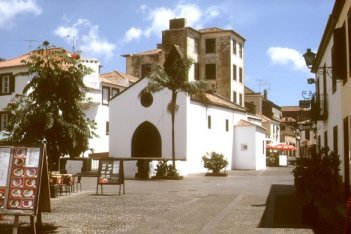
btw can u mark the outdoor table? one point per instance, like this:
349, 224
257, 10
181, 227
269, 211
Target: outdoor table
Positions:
65, 182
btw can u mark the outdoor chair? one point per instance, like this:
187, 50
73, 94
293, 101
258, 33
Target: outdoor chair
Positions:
65, 185
77, 183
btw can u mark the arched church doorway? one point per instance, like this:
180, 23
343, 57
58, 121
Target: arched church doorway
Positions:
146, 143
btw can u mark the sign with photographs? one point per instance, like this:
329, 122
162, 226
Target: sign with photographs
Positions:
110, 172
20, 172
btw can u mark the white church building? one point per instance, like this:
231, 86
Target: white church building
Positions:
141, 127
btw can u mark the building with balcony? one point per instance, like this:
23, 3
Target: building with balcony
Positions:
297, 128
330, 107
270, 113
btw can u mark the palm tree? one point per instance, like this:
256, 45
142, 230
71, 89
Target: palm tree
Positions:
174, 76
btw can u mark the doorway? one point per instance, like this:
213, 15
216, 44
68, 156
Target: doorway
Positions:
146, 143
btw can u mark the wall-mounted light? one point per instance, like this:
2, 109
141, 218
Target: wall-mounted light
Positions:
310, 58
311, 81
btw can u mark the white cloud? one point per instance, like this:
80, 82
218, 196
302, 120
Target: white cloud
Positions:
213, 11
158, 18
10, 9
93, 43
86, 37
287, 56
191, 12
132, 33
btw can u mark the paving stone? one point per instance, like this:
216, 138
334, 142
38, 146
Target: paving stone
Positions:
243, 202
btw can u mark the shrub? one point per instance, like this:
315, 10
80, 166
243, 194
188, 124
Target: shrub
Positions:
214, 162
318, 173
163, 170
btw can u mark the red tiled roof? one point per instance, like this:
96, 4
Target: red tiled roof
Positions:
15, 62
293, 108
149, 52
115, 76
218, 100
290, 108
247, 123
213, 29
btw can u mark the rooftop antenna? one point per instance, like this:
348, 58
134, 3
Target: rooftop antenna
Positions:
73, 40
265, 84
30, 42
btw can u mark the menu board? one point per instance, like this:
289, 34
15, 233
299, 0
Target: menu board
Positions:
110, 172
5, 154
20, 169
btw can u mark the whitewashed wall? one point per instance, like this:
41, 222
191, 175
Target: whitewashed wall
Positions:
193, 138
202, 140
260, 154
20, 83
99, 113
127, 113
244, 158
249, 150
334, 105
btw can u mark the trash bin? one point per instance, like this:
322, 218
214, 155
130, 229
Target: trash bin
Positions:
53, 190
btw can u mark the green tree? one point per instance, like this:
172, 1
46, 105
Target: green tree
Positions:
50, 106
174, 76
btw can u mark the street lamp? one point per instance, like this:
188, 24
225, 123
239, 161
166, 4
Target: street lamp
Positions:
310, 58
311, 81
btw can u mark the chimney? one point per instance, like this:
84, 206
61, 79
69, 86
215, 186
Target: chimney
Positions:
177, 23
265, 93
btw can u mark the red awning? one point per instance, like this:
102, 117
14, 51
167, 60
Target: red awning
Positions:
281, 146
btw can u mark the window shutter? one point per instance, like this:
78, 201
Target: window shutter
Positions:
12, 83
1, 77
339, 54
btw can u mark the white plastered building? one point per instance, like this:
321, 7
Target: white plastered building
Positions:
198, 129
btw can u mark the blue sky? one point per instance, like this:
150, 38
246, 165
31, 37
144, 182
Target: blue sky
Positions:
277, 32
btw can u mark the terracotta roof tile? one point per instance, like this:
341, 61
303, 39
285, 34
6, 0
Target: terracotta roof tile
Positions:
115, 77
218, 100
293, 108
247, 123
15, 62
213, 29
149, 52
290, 108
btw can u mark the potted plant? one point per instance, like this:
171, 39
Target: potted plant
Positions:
316, 176
215, 162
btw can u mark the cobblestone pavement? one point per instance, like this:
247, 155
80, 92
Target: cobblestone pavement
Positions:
243, 202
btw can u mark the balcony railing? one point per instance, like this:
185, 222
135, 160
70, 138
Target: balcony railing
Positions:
319, 107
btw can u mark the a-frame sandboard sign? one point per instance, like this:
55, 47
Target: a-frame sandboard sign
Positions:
110, 172
24, 182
